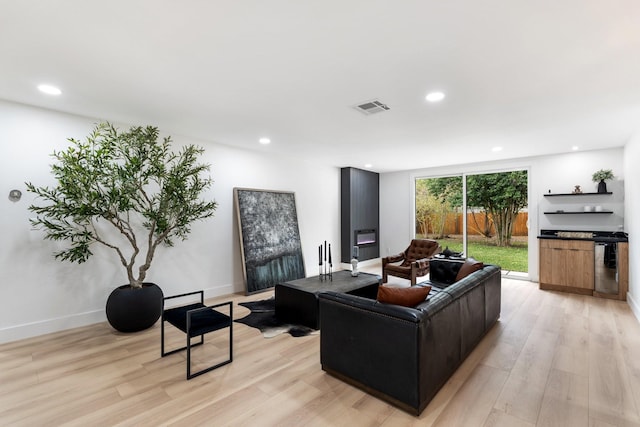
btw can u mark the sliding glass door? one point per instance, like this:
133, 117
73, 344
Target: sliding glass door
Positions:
483, 216
439, 207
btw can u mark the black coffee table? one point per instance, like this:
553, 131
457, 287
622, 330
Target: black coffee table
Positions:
297, 300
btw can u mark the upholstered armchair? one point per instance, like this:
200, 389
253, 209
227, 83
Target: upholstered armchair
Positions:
412, 263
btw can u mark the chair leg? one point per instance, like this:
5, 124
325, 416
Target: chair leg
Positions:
188, 355
231, 334
211, 368
189, 376
189, 345
162, 335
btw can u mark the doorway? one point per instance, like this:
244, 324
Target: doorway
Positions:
481, 215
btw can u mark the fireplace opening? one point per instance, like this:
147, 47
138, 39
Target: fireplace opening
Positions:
365, 237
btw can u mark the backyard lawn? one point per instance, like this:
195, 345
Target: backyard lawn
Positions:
512, 258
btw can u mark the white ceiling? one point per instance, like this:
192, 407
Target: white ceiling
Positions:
533, 76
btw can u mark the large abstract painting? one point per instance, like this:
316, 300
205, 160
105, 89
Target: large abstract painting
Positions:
269, 238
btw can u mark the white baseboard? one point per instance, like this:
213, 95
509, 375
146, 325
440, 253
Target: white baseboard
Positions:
361, 264
34, 329
635, 307
219, 291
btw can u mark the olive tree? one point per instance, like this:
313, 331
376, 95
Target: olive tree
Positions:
124, 190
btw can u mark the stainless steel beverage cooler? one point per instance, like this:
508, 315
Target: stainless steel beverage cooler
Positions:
606, 267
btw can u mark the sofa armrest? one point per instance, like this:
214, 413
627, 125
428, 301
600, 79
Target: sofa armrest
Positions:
372, 344
405, 355
392, 258
421, 264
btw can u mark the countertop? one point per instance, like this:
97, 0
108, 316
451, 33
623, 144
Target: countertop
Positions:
595, 236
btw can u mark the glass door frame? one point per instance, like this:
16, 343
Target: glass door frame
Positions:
464, 175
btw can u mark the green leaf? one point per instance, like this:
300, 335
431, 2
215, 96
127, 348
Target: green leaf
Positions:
134, 183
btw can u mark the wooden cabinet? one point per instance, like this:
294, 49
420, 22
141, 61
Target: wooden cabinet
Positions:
567, 265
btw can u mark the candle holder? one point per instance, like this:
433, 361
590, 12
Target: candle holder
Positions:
325, 266
326, 272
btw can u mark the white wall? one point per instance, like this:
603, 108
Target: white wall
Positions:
556, 173
40, 295
632, 223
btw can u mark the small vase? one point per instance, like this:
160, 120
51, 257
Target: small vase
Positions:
354, 267
602, 186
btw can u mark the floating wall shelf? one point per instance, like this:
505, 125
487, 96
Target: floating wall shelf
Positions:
576, 194
578, 213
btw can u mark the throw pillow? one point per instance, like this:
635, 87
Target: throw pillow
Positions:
407, 297
470, 265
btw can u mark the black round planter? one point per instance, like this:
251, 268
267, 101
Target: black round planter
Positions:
134, 309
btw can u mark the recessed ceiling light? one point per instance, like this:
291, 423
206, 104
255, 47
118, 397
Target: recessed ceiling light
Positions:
264, 141
496, 149
435, 96
49, 90
368, 166
575, 148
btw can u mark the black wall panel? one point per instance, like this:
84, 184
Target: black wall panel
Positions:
360, 198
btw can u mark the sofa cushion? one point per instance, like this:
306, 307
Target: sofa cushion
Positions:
470, 265
407, 297
398, 268
420, 249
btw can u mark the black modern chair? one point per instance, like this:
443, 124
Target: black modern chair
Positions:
196, 319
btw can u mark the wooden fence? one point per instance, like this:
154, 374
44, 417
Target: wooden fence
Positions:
453, 224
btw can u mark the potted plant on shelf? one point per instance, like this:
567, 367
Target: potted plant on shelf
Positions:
600, 177
130, 193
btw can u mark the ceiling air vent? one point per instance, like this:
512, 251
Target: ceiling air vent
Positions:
371, 107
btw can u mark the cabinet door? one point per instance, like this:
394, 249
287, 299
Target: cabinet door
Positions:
559, 266
579, 269
580, 265
553, 262
546, 260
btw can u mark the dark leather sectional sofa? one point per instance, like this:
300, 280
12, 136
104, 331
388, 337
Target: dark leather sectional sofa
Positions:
405, 355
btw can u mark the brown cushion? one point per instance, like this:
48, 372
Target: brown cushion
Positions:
420, 249
469, 266
408, 297
398, 268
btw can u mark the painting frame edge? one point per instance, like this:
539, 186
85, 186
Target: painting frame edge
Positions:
238, 214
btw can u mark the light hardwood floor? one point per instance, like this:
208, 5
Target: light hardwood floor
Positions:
552, 359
